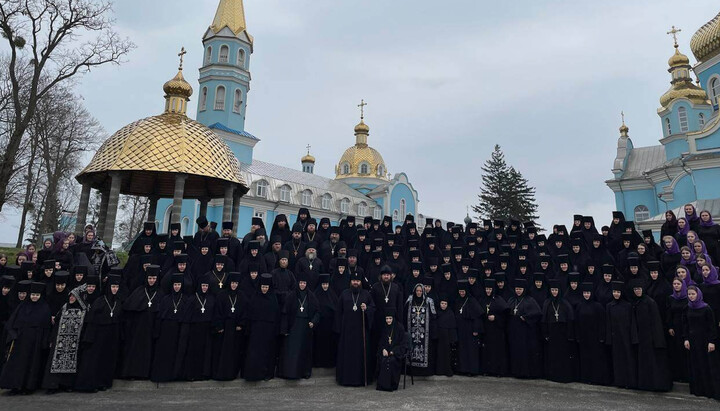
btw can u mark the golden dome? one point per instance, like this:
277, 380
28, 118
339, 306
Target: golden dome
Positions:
678, 59
624, 130
685, 89
705, 43
361, 153
307, 159
362, 127
177, 86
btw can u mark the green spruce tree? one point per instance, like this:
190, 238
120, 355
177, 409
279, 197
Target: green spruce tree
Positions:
505, 194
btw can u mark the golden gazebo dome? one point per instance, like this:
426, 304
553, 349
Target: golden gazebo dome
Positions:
359, 155
705, 43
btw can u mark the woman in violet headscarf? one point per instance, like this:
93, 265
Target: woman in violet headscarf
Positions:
670, 226
676, 307
670, 258
691, 216
709, 232
701, 336
683, 228
710, 287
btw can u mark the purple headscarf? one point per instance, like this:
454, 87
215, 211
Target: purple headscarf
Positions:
58, 239
708, 223
693, 216
712, 278
674, 249
683, 291
698, 303
684, 230
692, 248
688, 278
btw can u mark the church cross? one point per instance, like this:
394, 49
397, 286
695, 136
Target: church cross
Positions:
308, 148
674, 33
181, 55
622, 114
362, 109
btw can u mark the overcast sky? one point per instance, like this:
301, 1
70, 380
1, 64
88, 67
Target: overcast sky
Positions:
445, 81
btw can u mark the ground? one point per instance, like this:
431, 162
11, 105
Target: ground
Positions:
321, 392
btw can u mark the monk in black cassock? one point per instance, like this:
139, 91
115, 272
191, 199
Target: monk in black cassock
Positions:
324, 337
590, 335
557, 328
229, 341
701, 339
446, 337
385, 294
420, 313
7, 288
140, 311
264, 323
171, 332
494, 357
523, 334
197, 364
653, 370
621, 337
100, 346
28, 335
391, 351
468, 317
300, 314
353, 321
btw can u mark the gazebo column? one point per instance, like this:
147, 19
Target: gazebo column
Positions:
152, 210
228, 202
104, 198
178, 198
236, 211
203, 206
81, 216
113, 200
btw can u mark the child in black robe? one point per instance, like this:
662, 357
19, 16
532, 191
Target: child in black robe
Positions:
392, 347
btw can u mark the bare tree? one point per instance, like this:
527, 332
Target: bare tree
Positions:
61, 38
133, 209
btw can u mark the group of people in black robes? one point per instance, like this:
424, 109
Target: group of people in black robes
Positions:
500, 298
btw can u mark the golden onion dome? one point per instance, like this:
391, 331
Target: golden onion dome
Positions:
359, 155
705, 43
307, 159
678, 59
362, 127
684, 89
177, 86
624, 130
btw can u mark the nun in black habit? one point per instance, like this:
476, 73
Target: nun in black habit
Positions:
468, 317
28, 336
420, 311
494, 356
622, 338
324, 338
392, 347
264, 327
676, 306
557, 328
590, 335
171, 332
524, 334
197, 362
230, 339
140, 311
653, 372
300, 315
446, 337
100, 347
701, 338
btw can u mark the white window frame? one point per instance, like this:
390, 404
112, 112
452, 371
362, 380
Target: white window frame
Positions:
345, 206
261, 189
714, 89
377, 213
396, 215
306, 198
668, 127
224, 55
364, 168
683, 119
403, 207
237, 101
381, 170
220, 102
185, 227
641, 213
345, 168
326, 201
285, 192
203, 99
208, 55
241, 57
362, 209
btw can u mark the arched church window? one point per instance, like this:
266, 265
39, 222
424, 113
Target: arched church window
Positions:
307, 198
326, 200
396, 215
403, 207
224, 52
364, 168
381, 170
203, 99
285, 193
701, 120
642, 213
377, 213
261, 189
714, 90
220, 98
346, 168
667, 126
241, 58
237, 104
345, 206
683, 119
362, 209
185, 227
208, 55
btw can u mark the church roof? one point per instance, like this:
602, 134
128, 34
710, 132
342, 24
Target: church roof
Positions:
711, 205
231, 14
705, 43
221, 127
644, 159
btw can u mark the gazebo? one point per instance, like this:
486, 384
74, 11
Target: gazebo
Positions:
164, 156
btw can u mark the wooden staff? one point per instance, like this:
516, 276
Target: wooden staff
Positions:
364, 347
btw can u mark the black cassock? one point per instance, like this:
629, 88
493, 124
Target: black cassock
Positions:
494, 356
621, 337
394, 295
590, 334
197, 363
560, 349
421, 328
446, 340
349, 319
468, 317
171, 336
140, 321
229, 345
700, 329
62, 364
100, 347
28, 337
653, 372
524, 337
301, 308
324, 337
393, 340
677, 354
264, 327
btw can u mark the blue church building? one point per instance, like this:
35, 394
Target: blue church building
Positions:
361, 186
685, 166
